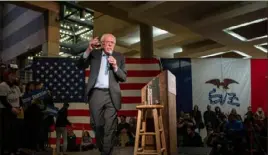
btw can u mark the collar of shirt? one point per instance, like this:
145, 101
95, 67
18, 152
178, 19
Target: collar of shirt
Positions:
104, 54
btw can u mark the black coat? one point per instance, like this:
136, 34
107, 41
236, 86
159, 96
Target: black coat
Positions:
62, 120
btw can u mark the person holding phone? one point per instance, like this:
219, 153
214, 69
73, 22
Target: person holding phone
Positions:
107, 70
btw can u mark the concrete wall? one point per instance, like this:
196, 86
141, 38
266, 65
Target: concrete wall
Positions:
22, 30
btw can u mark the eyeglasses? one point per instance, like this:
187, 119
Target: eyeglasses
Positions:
109, 42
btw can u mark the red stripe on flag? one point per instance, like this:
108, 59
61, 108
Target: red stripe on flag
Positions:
136, 73
78, 112
132, 86
259, 84
145, 73
141, 61
129, 100
81, 126
127, 113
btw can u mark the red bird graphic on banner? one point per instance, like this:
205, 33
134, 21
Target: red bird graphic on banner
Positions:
224, 84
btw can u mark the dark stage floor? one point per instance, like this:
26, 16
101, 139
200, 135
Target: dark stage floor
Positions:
129, 151
117, 151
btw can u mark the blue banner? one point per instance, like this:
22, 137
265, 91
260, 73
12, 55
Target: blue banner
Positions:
37, 97
181, 68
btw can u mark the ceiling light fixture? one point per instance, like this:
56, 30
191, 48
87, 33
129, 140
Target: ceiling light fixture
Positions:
81, 31
261, 48
245, 56
64, 39
230, 30
158, 31
82, 15
211, 55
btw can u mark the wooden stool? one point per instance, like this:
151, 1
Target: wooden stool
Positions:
141, 130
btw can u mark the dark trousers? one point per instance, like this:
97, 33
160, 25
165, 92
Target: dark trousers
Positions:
104, 117
41, 140
32, 128
9, 131
21, 132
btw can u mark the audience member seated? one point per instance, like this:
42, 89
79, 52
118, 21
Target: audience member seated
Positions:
234, 124
192, 139
219, 143
132, 130
189, 121
209, 139
180, 131
71, 139
222, 124
86, 142
123, 131
182, 125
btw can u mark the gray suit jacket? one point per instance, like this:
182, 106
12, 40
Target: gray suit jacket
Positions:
94, 61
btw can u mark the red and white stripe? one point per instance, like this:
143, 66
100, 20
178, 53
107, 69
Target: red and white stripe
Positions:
139, 72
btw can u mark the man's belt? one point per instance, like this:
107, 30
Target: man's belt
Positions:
102, 89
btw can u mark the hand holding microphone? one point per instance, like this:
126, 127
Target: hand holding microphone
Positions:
113, 62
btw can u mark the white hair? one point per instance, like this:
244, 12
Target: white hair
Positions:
106, 35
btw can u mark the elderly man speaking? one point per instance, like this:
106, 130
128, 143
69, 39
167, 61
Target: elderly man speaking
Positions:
107, 69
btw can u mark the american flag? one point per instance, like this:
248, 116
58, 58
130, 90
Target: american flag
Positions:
139, 73
61, 76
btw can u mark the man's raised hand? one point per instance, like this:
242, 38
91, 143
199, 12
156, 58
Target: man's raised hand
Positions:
92, 44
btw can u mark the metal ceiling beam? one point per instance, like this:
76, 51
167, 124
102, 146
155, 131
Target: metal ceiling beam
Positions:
83, 23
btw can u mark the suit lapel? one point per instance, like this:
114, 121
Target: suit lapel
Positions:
98, 56
115, 56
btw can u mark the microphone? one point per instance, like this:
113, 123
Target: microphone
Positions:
109, 53
109, 66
